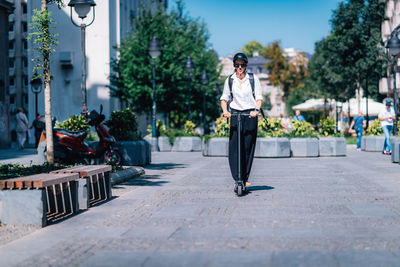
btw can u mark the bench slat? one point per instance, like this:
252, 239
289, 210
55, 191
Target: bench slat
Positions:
55, 179
37, 180
85, 171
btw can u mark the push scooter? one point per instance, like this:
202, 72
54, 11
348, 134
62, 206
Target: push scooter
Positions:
240, 187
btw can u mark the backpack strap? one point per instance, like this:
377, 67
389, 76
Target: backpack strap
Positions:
230, 81
251, 78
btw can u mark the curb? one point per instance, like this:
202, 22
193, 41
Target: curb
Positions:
124, 175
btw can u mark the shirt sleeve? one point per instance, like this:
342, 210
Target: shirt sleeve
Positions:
257, 89
381, 114
226, 94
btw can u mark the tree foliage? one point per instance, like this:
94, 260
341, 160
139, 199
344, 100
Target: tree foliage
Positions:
289, 74
180, 36
250, 48
348, 58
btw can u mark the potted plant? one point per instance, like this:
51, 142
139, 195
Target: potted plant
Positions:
123, 126
331, 143
190, 141
271, 140
217, 144
373, 139
303, 141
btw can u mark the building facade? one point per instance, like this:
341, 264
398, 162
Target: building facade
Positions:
392, 14
6, 8
112, 22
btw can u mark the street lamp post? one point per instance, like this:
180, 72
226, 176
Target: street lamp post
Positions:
204, 81
82, 8
394, 49
154, 49
189, 66
36, 87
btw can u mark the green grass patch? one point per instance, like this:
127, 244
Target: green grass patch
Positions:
351, 140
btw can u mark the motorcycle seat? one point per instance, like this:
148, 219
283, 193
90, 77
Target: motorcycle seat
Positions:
78, 134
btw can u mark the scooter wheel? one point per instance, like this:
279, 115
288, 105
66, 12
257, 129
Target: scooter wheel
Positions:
240, 190
113, 156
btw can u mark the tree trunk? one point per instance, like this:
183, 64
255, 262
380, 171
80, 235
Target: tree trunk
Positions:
47, 95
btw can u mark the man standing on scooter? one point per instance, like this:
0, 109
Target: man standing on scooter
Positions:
244, 91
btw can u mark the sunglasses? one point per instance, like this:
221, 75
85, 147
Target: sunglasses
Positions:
237, 65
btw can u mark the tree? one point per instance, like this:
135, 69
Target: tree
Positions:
180, 36
250, 48
289, 75
45, 42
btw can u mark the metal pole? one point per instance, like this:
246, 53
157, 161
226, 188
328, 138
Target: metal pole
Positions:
189, 80
83, 82
204, 113
154, 100
36, 104
395, 96
366, 102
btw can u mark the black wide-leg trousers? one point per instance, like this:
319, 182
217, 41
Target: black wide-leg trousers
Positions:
248, 144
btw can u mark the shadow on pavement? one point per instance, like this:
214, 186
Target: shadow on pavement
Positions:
259, 188
144, 180
164, 166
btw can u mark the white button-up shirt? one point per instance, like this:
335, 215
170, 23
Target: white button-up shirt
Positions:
242, 93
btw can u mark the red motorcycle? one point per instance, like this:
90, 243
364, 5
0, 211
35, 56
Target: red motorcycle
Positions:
70, 148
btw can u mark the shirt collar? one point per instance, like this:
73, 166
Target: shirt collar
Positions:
236, 78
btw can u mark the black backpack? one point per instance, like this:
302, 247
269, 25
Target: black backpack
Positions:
251, 78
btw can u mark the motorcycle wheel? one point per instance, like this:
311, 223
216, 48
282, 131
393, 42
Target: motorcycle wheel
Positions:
113, 157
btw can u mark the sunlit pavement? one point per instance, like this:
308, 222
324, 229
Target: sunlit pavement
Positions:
340, 211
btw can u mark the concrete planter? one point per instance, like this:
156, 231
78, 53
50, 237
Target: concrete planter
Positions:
278, 147
187, 144
153, 142
135, 152
304, 147
374, 143
395, 143
216, 147
362, 146
164, 144
332, 146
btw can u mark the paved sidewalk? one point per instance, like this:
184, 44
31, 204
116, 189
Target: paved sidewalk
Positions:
301, 212
27, 156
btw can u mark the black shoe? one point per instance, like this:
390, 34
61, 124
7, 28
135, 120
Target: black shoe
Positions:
235, 188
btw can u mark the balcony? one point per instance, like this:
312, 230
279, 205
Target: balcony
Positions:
389, 9
11, 53
11, 35
12, 89
24, 17
11, 18
11, 71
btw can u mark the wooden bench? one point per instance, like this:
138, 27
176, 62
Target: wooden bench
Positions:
38, 199
99, 179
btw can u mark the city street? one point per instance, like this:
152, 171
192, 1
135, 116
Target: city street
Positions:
328, 211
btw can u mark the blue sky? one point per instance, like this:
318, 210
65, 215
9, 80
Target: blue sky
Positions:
233, 23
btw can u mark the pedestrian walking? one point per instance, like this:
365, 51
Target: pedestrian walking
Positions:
359, 123
21, 127
386, 116
298, 116
244, 99
38, 125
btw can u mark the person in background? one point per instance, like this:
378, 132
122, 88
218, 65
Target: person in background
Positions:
39, 125
298, 116
359, 124
386, 116
21, 127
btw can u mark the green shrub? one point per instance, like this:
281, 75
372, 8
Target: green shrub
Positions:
173, 133
270, 127
161, 129
221, 127
75, 123
327, 128
302, 129
8, 171
123, 125
189, 128
374, 128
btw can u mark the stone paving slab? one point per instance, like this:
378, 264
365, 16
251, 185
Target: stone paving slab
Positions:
299, 212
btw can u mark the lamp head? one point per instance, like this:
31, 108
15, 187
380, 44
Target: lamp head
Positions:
154, 48
36, 84
82, 7
393, 45
204, 77
189, 65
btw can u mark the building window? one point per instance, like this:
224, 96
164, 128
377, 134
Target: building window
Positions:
26, 81
11, 26
24, 8
12, 99
25, 62
259, 70
24, 26
11, 63
11, 45
12, 81
25, 45
26, 99
278, 109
